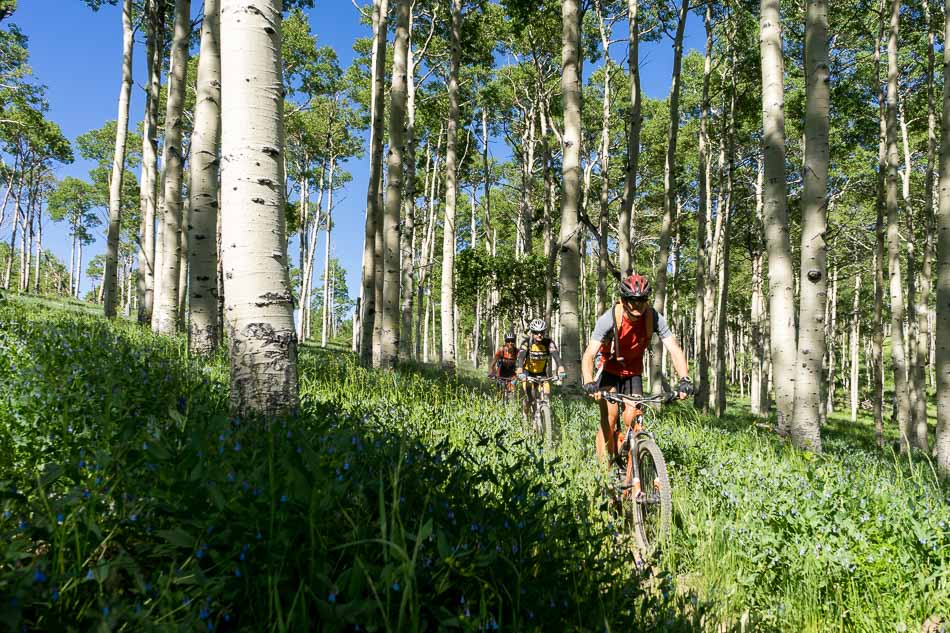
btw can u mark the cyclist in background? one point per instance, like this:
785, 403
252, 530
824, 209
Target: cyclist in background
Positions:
620, 339
534, 360
503, 364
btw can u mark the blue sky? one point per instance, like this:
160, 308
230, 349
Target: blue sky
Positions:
77, 53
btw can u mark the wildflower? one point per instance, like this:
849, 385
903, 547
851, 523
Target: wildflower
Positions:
283, 498
39, 576
237, 572
55, 595
237, 446
332, 597
59, 518
396, 586
105, 611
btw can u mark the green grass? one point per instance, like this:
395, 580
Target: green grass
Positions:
412, 500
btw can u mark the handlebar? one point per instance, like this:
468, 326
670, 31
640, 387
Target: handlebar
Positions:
541, 379
663, 398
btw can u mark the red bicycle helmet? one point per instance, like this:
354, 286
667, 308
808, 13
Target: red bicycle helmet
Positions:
634, 287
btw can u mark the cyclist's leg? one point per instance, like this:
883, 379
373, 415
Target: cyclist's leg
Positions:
606, 443
631, 386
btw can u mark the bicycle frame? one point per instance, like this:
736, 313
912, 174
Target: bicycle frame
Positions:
634, 430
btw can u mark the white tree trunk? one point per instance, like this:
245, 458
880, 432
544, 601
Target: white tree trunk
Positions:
855, 346
700, 345
263, 344
147, 185
814, 277
942, 353
389, 341
898, 354
165, 315
781, 279
569, 241
669, 199
118, 165
327, 296
205, 142
369, 307
447, 356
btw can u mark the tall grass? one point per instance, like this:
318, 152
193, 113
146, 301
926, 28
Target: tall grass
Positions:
413, 500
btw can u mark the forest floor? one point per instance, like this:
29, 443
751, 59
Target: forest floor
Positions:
414, 500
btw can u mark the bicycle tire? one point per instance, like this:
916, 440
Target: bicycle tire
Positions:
652, 510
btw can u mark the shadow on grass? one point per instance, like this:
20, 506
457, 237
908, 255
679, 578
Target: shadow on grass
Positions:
348, 514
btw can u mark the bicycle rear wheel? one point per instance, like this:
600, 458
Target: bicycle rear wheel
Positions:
652, 508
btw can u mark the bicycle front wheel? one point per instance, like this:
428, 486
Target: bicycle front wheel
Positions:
652, 505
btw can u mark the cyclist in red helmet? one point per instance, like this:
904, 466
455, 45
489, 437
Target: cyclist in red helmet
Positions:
620, 339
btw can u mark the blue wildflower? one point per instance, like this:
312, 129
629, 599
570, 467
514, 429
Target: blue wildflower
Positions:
395, 586
237, 446
39, 576
332, 597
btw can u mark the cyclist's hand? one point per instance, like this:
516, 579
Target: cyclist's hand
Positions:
592, 389
685, 388
561, 374
522, 376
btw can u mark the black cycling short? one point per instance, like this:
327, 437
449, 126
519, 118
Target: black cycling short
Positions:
628, 386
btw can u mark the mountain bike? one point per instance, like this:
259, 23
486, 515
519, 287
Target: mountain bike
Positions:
540, 411
506, 386
642, 481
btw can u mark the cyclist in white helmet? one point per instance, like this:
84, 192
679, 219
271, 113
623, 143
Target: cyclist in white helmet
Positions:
533, 360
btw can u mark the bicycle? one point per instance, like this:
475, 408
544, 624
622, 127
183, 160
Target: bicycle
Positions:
506, 386
541, 407
643, 483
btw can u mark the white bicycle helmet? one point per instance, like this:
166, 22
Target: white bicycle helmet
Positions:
538, 325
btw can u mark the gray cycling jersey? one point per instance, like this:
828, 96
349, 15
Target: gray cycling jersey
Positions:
606, 323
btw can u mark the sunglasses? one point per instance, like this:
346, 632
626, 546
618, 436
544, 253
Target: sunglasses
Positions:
635, 302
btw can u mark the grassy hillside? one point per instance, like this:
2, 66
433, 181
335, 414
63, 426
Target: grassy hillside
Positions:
411, 500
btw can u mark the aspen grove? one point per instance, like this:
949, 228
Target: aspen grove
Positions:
315, 240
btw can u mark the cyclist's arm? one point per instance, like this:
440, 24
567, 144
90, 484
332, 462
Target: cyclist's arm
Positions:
602, 329
587, 361
493, 367
519, 362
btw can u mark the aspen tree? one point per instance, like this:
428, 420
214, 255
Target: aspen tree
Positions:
165, 315
378, 69
389, 342
263, 343
855, 345
447, 352
633, 140
942, 334
877, 337
781, 278
154, 12
118, 166
570, 241
701, 350
814, 282
205, 142
898, 353
670, 190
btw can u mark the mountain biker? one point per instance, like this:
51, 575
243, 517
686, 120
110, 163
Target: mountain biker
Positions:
533, 359
503, 364
621, 337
